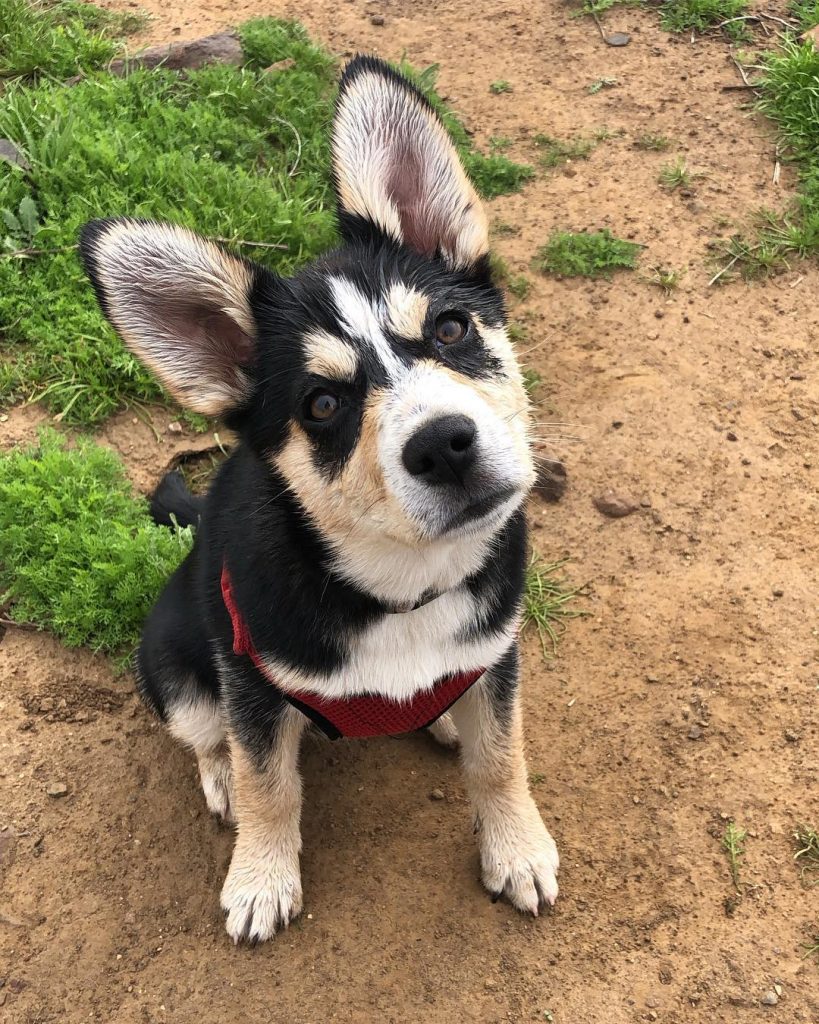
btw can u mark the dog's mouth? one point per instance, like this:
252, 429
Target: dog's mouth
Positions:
479, 509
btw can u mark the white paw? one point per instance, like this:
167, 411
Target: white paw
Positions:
519, 860
443, 731
217, 785
260, 897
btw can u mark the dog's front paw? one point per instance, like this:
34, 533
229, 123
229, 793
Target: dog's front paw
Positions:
260, 897
519, 860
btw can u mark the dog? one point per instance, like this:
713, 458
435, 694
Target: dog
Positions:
360, 558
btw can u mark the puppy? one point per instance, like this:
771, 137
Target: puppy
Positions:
359, 560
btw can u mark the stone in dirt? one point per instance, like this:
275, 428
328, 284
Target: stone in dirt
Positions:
221, 48
11, 154
614, 505
436, 794
8, 841
57, 789
550, 482
770, 998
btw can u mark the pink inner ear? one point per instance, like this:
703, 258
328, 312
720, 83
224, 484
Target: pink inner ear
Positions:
227, 339
406, 187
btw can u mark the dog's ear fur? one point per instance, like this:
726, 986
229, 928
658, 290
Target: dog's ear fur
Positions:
180, 303
396, 168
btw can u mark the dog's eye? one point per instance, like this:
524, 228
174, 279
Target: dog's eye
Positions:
321, 406
449, 329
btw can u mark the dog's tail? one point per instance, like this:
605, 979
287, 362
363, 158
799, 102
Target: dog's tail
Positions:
173, 499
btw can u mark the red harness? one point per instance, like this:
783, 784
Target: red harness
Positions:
355, 717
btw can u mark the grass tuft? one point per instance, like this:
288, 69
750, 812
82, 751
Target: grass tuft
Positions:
546, 602
701, 15
732, 842
807, 852
652, 143
499, 87
210, 150
555, 152
666, 279
675, 175
79, 553
59, 39
586, 254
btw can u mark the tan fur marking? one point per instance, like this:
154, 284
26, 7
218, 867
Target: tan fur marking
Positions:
518, 855
357, 499
406, 311
262, 891
329, 356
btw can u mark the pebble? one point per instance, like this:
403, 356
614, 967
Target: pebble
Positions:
791, 736
778, 592
613, 505
731, 436
695, 733
436, 794
770, 998
377, 19
57, 789
175, 427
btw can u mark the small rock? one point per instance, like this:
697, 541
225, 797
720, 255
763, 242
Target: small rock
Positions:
377, 19
770, 998
615, 506
695, 733
618, 39
797, 413
778, 592
436, 794
551, 480
57, 789
16, 985
490, 984
731, 436
175, 427
790, 737
11, 154
221, 48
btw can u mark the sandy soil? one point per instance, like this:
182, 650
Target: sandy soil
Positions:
687, 696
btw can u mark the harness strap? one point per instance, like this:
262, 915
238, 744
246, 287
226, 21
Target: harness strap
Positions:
354, 717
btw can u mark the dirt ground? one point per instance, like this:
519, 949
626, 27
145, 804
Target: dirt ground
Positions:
688, 696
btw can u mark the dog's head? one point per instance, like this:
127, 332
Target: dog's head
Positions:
379, 383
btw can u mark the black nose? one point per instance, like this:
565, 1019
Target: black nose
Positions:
442, 451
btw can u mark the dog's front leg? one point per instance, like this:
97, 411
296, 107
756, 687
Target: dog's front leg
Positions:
518, 856
262, 891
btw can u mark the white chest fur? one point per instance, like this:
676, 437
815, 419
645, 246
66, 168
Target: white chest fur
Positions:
405, 653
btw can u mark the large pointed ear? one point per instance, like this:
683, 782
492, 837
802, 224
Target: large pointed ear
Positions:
181, 304
396, 168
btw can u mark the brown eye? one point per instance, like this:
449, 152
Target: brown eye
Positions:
449, 329
322, 406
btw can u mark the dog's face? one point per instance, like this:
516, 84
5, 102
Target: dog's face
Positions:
379, 383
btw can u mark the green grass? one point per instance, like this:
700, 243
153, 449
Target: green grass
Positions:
806, 840
547, 602
675, 175
586, 254
236, 153
811, 947
652, 143
806, 13
733, 844
58, 38
666, 279
701, 15
79, 554
555, 152
602, 83
531, 380
500, 86
790, 97
520, 286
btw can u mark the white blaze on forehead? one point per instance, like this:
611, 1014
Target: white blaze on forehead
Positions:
329, 356
362, 318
